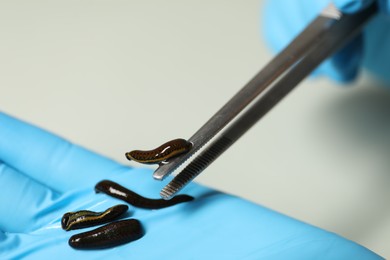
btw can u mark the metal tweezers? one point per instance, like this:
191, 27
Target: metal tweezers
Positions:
327, 33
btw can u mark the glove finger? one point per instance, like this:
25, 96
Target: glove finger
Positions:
344, 65
21, 200
49, 159
384, 6
279, 31
377, 53
352, 6
7, 243
283, 20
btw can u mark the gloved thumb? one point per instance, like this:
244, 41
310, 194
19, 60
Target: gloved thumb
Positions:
352, 6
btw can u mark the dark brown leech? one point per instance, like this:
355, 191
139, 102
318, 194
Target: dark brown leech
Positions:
86, 218
162, 153
117, 191
113, 234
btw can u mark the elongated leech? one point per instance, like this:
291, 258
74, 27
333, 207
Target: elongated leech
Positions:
86, 218
162, 153
111, 235
115, 190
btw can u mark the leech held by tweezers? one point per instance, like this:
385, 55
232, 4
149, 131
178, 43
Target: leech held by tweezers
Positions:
111, 235
162, 153
115, 190
87, 218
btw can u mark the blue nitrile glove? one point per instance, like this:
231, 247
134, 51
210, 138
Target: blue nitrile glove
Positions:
283, 20
43, 176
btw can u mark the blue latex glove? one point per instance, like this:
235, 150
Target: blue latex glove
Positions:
283, 20
43, 176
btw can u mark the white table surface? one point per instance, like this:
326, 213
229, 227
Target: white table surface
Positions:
120, 75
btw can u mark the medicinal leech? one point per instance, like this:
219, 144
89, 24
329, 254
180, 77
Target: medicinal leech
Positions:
113, 234
162, 153
87, 218
115, 190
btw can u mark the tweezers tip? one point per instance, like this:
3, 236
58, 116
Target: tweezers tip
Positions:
168, 192
161, 172
157, 176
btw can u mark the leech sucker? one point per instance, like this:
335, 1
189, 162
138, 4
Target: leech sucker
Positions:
86, 218
111, 235
162, 153
115, 190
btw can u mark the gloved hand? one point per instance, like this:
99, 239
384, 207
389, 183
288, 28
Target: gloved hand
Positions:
43, 176
283, 20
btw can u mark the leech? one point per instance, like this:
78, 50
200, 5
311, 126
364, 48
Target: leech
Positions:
86, 218
111, 235
162, 153
115, 190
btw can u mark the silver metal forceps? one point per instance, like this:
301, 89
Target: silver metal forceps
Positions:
329, 31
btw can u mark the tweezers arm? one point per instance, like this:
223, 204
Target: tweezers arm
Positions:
290, 55
327, 33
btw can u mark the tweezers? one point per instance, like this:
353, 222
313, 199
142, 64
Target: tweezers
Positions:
327, 33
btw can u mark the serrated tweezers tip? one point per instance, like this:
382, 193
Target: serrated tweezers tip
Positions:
196, 167
168, 191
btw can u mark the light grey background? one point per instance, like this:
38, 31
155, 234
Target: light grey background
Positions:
118, 75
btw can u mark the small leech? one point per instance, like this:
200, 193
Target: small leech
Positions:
111, 235
162, 153
115, 190
86, 218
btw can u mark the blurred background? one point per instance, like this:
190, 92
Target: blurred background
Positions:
120, 75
